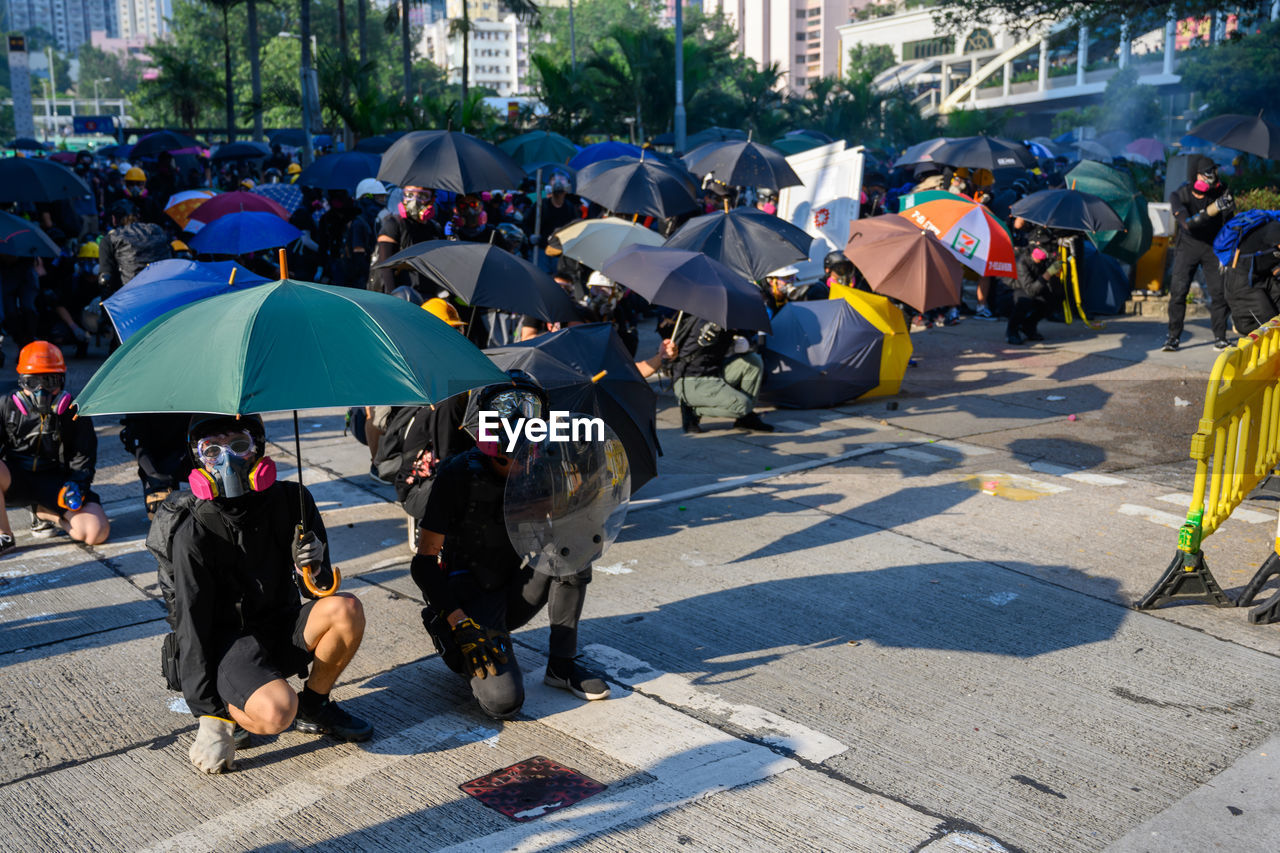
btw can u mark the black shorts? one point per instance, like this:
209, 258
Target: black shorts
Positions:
31, 488
262, 657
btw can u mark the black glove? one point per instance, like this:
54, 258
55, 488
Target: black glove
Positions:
308, 550
478, 653
1226, 202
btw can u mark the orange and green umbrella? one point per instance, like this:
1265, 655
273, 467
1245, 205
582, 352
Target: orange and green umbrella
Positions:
978, 239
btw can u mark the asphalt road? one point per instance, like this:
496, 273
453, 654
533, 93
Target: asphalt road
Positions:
833, 637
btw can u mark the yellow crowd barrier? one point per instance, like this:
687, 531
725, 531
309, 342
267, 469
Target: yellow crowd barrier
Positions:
1236, 447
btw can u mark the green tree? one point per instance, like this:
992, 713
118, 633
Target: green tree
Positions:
224, 8
181, 93
592, 21
1240, 75
120, 76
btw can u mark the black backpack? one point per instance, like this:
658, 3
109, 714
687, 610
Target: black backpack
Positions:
391, 447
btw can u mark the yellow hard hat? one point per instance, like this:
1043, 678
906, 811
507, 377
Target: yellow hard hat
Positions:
983, 178
962, 172
88, 250
247, 184
444, 311
136, 174
179, 246
294, 169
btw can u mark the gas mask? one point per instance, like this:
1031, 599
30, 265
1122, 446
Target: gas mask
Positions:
229, 466
513, 401
418, 204
134, 189
470, 213
42, 394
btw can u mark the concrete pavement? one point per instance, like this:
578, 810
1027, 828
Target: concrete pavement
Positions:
878, 628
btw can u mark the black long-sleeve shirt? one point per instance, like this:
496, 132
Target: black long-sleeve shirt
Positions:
61, 444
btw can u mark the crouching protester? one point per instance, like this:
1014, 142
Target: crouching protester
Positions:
47, 454
716, 374
231, 567
477, 588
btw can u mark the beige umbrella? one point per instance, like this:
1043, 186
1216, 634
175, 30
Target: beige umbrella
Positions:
594, 241
904, 262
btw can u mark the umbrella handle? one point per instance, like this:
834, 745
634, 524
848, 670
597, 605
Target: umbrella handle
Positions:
232, 280
284, 266
310, 583
598, 376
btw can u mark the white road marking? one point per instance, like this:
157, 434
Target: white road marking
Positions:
1095, 479
1050, 468
963, 449
1168, 519
1249, 515
917, 455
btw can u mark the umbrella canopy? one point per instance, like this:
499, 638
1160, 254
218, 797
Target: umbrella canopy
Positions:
113, 152
595, 241
32, 180
746, 240
539, 146
1039, 149
375, 144
1093, 150
714, 134
291, 136
153, 144
983, 152
1068, 210
1118, 189
1104, 285
789, 145
895, 349
66, 158
744, 164
902, 260
1115, 140
26, 143
340, 171
603, 151
921, 152
489, 276
979, 239
182, 204
820, 354
244, 150
23, 239
165, 285
1251, 134
243, 233
647, 187
690, 282
236, 202
288, 345
288, 196
566, 362
448, 160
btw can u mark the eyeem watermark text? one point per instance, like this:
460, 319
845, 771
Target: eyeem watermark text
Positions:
562, 426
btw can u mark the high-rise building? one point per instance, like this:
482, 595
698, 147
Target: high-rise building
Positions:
69, 21
147, 19
799, 35
498, 48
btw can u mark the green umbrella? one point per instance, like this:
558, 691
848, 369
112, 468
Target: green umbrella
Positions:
539, 145
1120, 192
284, 346
789, 145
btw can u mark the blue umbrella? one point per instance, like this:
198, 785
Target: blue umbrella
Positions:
288, 196
603, 151
242, 233
1038, 149
820, 354
164, 285
340, 171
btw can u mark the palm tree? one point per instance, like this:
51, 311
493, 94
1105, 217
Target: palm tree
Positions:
225, 7
397, 18
183, 88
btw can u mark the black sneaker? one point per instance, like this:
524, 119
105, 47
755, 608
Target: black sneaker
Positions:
331, 720
1170, 345
1015, 340
7, 544
752, 421
689, 420
1221, 343
41, 529
567, 675
1033, 336
241, 736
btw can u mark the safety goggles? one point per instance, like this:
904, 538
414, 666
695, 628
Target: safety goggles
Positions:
42, 381
469, 204
423, 196
211, 449
515, 404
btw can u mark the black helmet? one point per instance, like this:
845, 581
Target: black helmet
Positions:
519, 397
837, 261
206, 424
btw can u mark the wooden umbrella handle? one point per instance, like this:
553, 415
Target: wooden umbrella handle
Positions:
310, 583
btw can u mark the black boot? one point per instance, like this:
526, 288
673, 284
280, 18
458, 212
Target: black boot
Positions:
752, 422
689, 420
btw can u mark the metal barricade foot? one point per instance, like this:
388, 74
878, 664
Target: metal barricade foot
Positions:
1268, 611
1184, 581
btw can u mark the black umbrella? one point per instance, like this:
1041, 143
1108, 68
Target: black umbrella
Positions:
449, 160
28, 179
746, 240
1251, 134
24, 239
488, 276
983, 152
113, 152
743, 164
644, 186
568, 364
690, 282
244, 150
26, 143
340, 171
820, 354
153, 144
714, 134
1068, 210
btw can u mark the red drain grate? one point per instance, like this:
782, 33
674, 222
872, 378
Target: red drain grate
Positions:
532, 788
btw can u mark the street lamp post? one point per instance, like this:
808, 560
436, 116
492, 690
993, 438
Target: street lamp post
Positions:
308, 45
680, 114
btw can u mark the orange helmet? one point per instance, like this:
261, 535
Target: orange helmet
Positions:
41, 357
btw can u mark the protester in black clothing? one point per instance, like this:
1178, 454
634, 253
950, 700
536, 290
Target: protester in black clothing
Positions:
470, 222
1034, 293
1252, 279
163, 180
239, 624
1201, 207
360, 238
715, 374
477, 588
417, 222
129, 247
47, 453
159, 443
557, 211
278, 159
144, 203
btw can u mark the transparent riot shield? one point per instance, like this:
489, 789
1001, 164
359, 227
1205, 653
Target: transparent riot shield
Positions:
566, 500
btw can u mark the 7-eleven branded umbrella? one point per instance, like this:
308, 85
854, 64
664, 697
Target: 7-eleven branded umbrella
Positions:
182, 205
979, 239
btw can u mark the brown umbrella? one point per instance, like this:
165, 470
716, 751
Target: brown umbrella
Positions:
900, 260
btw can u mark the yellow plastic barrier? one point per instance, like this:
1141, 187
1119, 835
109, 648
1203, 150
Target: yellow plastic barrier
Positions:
1236, 446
